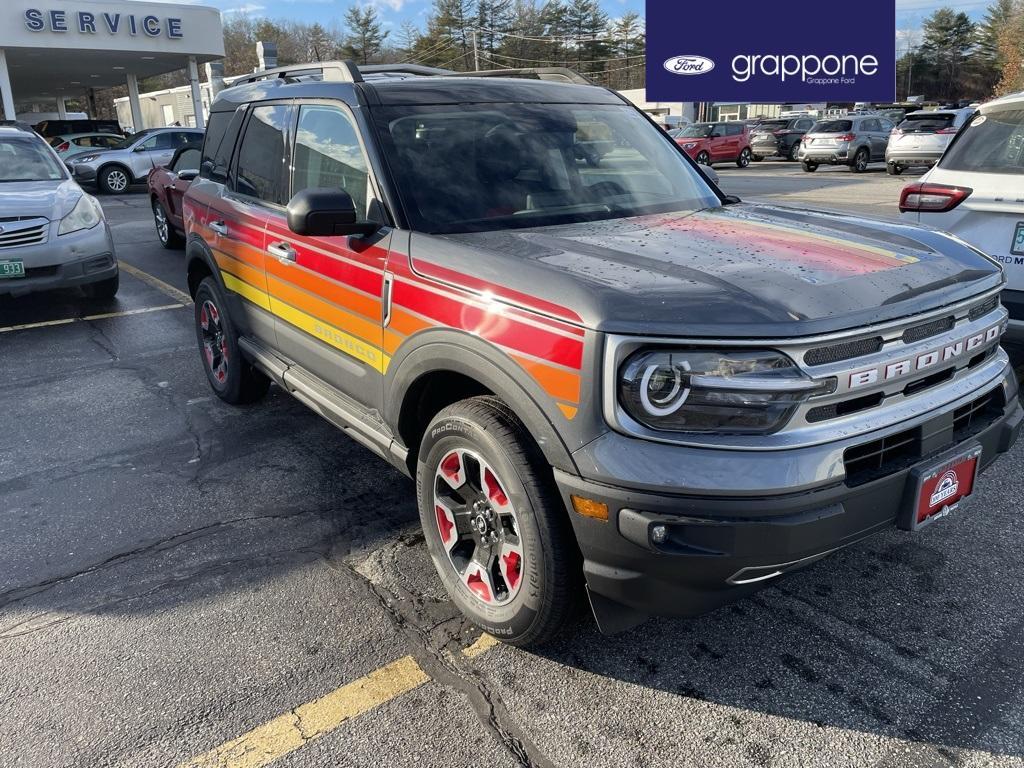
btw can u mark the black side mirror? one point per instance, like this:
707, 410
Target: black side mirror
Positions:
326, 211
188, 174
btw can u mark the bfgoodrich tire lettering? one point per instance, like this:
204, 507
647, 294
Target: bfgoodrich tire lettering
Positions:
551, 570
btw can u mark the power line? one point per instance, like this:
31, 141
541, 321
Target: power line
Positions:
567, 58
564, 39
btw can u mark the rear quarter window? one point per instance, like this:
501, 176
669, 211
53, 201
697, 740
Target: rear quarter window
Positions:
221, 134
991, 143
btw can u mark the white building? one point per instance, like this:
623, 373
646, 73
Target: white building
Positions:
62, 49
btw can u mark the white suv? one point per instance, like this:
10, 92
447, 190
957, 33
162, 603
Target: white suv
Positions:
976, 191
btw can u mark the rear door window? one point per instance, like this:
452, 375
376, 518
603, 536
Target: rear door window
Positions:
991, 143
927, 123
261, 156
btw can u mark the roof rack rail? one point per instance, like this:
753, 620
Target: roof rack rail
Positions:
405, 69
331, 71
541, 73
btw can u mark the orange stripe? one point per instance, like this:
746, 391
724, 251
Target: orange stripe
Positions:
568, 410
346, 321
239, 269
558, 383
360, 303
405, 323
392, 341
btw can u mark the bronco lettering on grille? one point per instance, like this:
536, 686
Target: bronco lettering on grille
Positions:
920, 362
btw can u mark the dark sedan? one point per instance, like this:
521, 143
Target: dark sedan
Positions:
167, 185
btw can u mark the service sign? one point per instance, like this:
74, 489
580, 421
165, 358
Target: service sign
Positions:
800, 52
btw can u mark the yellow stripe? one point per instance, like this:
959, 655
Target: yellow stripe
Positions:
289, 732
483, 644
346, 342
243, 289
156, 282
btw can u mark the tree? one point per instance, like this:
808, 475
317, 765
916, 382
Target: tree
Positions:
988, 56
948, 40
585, 26
1010, 46
366, 34
319, 47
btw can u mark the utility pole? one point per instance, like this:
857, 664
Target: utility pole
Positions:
476, 52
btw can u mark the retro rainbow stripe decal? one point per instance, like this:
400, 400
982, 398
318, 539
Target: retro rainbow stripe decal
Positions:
336, 299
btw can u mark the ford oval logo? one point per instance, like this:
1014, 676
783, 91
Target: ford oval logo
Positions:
689, 65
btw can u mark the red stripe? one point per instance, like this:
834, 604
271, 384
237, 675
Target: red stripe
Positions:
498, 327
342, 271
499, 291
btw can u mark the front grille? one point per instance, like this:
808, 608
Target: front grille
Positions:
926, 330
846, 350
882, 457
28, 236
983, 309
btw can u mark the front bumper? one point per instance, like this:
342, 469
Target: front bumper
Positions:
728, 540
82, 173
64, 261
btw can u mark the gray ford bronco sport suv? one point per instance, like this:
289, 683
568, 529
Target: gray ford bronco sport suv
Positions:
608, 377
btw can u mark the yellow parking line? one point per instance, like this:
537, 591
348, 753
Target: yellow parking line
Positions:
156, 282
288, 732
483, 644
103, 316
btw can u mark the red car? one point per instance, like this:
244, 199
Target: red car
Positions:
710, 143
167, 185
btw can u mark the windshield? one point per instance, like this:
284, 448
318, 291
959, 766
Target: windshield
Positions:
697, 131
129, 140
991, 143
927, 123
28, 160
499, 166
832, 126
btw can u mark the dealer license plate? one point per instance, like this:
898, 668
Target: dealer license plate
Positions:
1017, 246
12, 268
936, 489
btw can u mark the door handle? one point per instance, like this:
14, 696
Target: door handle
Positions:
283, 251
219, 227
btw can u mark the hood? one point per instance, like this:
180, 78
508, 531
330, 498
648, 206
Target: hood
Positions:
742, 270
50, 199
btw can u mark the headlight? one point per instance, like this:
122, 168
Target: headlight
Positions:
85, 215
690, 145
85, 158
725, 392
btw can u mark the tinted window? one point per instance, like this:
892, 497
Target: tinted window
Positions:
927, 123
483, 167
802, 125
327, 154
261, 156
221, 133
733, 130
187, 159
771, 125
871, 125
833, 126
991, 143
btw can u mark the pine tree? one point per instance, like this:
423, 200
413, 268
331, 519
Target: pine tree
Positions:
366, 36
949, 38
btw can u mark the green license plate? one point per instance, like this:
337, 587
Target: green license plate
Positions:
12, 268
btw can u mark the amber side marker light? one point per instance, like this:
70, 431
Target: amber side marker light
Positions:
590, 508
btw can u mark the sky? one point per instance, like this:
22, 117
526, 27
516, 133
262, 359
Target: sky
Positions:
909, 13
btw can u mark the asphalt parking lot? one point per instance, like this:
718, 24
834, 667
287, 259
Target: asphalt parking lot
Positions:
184, 583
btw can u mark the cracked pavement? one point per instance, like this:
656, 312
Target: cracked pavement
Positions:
175, 572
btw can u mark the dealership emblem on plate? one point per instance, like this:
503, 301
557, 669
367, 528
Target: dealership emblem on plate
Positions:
947, 488
689, 65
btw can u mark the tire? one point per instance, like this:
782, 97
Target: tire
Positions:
232, 377
703, 158
113, 180
893, 169
744, 159
165, 231
860, 161
516, 523
810, 167
104, 290
794, 151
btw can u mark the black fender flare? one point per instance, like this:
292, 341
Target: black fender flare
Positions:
448, 350
196, 250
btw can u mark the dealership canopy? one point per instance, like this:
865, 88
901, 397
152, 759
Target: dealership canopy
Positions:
55, 49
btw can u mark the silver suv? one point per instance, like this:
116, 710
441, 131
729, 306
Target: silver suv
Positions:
854, 140
52, 234
113, 170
